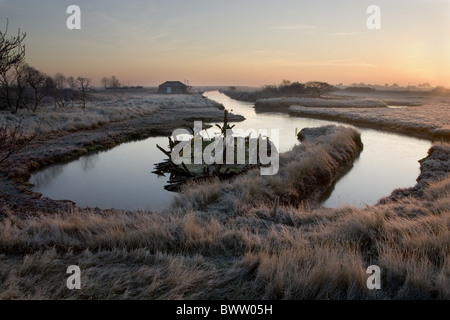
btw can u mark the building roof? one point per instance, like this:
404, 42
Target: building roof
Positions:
173, 84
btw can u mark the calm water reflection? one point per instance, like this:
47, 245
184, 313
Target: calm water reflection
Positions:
387, 162
122, 177
119, 178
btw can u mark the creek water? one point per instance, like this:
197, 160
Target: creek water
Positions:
122, 177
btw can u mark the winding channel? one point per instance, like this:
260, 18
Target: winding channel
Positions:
122, 177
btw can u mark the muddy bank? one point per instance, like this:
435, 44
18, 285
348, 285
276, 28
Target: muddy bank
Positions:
57, 147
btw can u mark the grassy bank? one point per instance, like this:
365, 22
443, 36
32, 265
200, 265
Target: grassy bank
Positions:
433, 168
419, 114
105, 108
213, 233
305, 173
248, 96
429, 121
195, 253
283, 104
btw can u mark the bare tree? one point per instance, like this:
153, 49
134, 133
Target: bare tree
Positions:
425, 85
12, 140
15, 84
105, 82
270, 89
60, 80
40, 83
115, 83
84, 85
288, 88
319, 88
72, 83
73, 86
285, 83
12, 50
111, 82
59, 91
12, 55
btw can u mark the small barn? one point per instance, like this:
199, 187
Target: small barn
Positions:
172, 87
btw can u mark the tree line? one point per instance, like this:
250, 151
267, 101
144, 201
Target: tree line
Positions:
23, 86
111, 82
287, 87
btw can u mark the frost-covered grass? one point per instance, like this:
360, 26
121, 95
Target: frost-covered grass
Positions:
194, 253
105, 108
431, 120
274, 104
73, 118
223, 240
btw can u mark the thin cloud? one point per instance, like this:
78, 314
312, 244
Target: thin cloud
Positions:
333, 63
347, 34
273, 52
295, 27
345, 63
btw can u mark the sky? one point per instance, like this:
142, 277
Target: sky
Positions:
241, 43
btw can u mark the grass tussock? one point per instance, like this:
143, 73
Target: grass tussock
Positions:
305, 173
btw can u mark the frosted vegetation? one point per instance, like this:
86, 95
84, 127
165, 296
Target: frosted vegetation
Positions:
431, 120
107, 108
253, 237
279, 103
198, 251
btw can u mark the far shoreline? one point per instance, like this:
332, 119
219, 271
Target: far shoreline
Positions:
347, 115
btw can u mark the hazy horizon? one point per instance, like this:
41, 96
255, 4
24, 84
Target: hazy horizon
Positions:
246, 43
